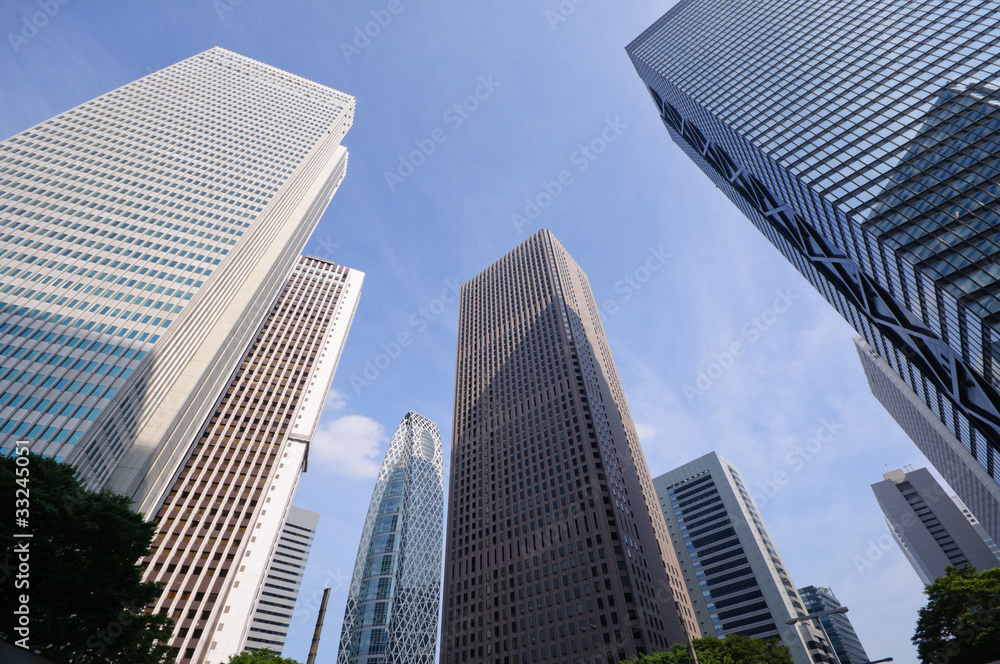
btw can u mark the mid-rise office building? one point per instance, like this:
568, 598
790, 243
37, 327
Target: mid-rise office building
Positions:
860, 138
276, 600
929, 526
737, 581
394, 600
222, 516
837, 626
556, 548
957, 466
145, 236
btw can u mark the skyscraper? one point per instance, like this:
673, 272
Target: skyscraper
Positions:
283, 582
955, 463
737, 581
221, 517
991, 544
394, 600
929, 527
556, 548
146, 234
860, 137
838, 626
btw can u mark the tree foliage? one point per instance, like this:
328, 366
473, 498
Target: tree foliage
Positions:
82, 578
961, 622
734, 649
259, 657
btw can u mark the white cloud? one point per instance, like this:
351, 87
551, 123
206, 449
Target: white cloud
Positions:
348, 445
335, 401
645, 431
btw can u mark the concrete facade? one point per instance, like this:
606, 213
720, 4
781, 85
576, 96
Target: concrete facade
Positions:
929, 527
733, 573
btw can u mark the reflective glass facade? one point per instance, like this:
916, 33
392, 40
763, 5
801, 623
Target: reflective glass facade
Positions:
861, 138
139, 228
838, 627
392, 609
957, 466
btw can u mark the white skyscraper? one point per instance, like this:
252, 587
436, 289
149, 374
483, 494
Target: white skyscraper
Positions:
737, 581
219, 525
145, 235
281, 587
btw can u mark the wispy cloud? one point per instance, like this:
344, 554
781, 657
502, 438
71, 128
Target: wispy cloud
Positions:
348, 445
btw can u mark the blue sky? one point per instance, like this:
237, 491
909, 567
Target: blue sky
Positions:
529, 103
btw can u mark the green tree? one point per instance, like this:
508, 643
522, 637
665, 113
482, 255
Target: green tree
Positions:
734, 649
259, 657
961, 622
86, 599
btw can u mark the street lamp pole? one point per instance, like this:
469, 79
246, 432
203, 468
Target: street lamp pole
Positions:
818, 614
824, 614
691, 652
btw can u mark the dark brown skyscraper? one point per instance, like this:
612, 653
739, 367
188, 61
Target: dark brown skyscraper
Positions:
557, 550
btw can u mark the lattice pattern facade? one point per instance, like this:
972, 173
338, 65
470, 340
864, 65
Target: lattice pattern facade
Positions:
958, 467
862, 139
393, 605
556, 548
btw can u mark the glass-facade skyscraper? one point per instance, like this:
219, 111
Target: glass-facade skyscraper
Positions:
145, 236
838, 626
961, 470
394, 600
556, 548
863, 139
